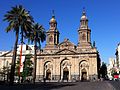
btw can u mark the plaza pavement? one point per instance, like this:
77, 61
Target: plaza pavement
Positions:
99, 85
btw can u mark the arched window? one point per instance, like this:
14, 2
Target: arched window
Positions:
50, 39
83, 37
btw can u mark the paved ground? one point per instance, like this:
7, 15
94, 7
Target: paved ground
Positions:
104, 85
89, 86
115, 84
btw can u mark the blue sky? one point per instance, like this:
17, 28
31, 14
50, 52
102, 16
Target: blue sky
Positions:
103, 15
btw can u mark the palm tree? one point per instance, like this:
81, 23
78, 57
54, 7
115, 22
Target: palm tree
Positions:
37, 36
19, 20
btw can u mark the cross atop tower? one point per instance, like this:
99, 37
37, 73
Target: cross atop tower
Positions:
84, 13
53, 14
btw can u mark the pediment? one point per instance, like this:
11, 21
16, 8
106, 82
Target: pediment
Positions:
66, 51
8, 53
66, 44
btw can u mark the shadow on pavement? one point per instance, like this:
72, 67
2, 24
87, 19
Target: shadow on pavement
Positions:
37, 86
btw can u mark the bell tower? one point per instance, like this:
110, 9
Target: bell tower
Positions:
53, 33
84, 32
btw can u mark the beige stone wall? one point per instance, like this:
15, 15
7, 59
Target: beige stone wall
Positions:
72, 62
58, 62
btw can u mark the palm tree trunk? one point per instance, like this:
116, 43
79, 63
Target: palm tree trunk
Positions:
14, 60
35, 62
20, 63
20, 54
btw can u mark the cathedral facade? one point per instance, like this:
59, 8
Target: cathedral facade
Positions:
65, 60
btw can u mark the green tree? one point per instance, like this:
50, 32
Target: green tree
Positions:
27, 67
17, 66
4, 72
19, 20
37, 36
103, 70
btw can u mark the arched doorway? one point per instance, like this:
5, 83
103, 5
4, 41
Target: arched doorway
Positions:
48, 74
65, 73
84, 75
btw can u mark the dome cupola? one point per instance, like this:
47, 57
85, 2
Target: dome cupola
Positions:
84, 17
53, 20
84, 20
